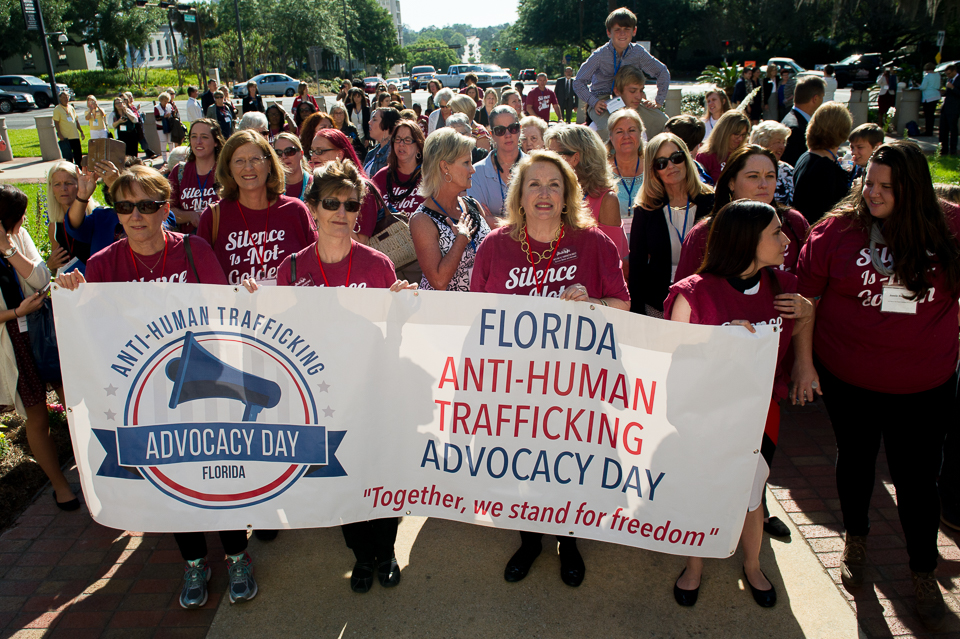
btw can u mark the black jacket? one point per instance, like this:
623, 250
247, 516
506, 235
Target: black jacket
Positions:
365, 116
650, 254
252, 104
951, 97
206, 101
797, 142
565, 94
818, 184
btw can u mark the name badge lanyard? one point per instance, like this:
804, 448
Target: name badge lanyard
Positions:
686, 214
473, 242
202, 186
496, 164
303, 192
324, 274
633, 182
266, 225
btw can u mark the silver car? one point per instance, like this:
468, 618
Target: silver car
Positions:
39, 89
278, 84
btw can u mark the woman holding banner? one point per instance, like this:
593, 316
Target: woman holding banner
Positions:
151, 254
739, 284
329, 145
546, 215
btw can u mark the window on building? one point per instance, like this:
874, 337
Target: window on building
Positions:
159, 48
150, 48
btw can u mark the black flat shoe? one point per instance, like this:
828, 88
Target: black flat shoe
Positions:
685, 597
388, 573
519, 565
69, 506
764, 598
265, 535
361, 580
572, 568
776, 528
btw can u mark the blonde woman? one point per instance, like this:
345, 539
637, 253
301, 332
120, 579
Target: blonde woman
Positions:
583, 150
96, 119
772, 136
532, 130
729, 134
163, 114
298, 175
715, 104
625, 153
62, 184
464, 104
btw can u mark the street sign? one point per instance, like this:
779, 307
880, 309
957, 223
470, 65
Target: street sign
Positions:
940, 37
567, 58
189, 17
315, 54
30, 14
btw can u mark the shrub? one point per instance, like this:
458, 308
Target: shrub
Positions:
109, 82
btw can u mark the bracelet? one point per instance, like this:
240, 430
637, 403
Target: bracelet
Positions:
15, 313
604, 302
85, 201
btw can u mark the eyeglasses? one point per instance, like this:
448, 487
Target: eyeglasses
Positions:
147, 207
403, 141
318, 153
256, 162
676, 157
513, 129
288, 152
567, 154
333, 204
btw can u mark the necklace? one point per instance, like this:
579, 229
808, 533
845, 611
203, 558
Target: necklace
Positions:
136, 259
686, 213
324, 274
542, 255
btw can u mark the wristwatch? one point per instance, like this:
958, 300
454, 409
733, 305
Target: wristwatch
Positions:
10, 252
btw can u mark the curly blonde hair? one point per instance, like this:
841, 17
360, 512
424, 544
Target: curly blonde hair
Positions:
574, 216
593, 171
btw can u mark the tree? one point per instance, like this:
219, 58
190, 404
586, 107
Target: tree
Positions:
14, 37
373, 33
110, 23
555, 23
429, 51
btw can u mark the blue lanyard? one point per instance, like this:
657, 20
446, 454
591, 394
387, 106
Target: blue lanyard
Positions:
303, 186
686, 214
496, 164
473, 242
616, 63
632, 182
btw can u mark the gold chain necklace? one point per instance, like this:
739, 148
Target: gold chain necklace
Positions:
145, 264
533, 256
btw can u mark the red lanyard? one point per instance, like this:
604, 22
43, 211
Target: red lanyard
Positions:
324, 275
549, 262
265, 226
134, 259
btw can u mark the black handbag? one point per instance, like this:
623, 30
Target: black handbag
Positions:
43, 342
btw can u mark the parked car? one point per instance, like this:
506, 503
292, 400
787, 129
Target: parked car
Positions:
404, 84
796, 69
941, 68
370, 84
859, 70
15, 101
39, 89
420, 76
454, 77
498, 77
278, 84
528, 74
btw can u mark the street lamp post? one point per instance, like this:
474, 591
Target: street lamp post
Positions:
54, 92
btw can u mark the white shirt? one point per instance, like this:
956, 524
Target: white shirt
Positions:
830, 91
708, 127
679, 222
194, 110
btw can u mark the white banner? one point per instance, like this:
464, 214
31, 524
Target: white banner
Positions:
208, 408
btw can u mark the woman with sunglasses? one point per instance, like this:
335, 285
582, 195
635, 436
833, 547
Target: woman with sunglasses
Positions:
438, 118
149, 253
125, 122
546, 217
739, 283
493, 173
298, 176
399, 181
254, 226
672, 199
194, 182
302, 112
329, 145
221, 112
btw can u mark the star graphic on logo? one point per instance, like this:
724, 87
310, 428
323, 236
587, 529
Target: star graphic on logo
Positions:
110, 415
111, 390
328, 412
323, 387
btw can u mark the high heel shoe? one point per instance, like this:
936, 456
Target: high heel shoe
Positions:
764, 598
685, 597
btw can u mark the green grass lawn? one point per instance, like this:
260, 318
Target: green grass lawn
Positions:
26, 142
37, 214
945, 169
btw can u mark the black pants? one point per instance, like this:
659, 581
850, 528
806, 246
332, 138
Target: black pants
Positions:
193, 545
372, 540
948, 131
528, 539
568, 113
71, 150
929, 111
912, 428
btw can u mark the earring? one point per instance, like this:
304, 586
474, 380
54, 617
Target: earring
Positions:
419, 155
564, 208
448, 178
522, 212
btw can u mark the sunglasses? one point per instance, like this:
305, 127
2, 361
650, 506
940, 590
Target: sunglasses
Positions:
513, 129
333, 204
147, 207
288, 152
676, 157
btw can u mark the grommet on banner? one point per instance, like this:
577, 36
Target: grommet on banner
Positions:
775, 328
592, 307
69, 410
55, 287
408, 512
236, 289
416, 293
249, 526
756, 450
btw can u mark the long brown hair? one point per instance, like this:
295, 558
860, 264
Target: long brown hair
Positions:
736, 162
215, 131
918, 223
719, 141
734, 237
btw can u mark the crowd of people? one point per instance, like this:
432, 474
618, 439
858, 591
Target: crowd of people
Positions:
745, 217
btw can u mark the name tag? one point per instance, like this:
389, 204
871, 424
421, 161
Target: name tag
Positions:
123, 127
615, 104
69, 119
22, 324
894, 300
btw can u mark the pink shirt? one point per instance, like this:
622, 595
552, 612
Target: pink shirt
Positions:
541, 99
403, 199
117, 263
586, 257
253, 243
862, 345
711, 164
615, 233
367, 268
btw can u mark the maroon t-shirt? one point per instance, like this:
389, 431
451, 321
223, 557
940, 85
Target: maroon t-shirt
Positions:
252, 243
405, 199
886, 352
541, 99
714, 302
194, 192
367, 268
117, 263
300, 188
694, 247
586, 257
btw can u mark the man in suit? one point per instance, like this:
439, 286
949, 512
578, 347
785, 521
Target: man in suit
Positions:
949, 113
806, 100
566, 96
206, 100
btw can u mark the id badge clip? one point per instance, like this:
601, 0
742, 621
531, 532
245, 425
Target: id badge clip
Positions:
894, 300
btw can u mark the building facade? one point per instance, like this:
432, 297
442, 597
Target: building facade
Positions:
159, 52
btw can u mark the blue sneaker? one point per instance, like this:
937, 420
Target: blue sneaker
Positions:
242, 585
195, 578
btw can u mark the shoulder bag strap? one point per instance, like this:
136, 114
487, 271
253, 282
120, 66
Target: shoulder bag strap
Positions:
293, 268
186, 243
216, 222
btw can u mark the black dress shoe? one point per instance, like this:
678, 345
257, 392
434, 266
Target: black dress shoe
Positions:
519, 565
265, 535
69, 506
361, 580
685, 597
776, 528
572, 569
764, 598
388, 573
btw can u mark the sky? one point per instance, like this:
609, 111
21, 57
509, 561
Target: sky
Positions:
417, 14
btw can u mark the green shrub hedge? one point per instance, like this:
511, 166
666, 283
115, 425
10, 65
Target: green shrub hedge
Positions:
109, 82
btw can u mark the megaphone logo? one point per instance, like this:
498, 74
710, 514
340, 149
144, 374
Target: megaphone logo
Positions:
197, 374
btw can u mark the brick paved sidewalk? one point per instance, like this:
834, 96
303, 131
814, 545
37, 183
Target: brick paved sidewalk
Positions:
803, 481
